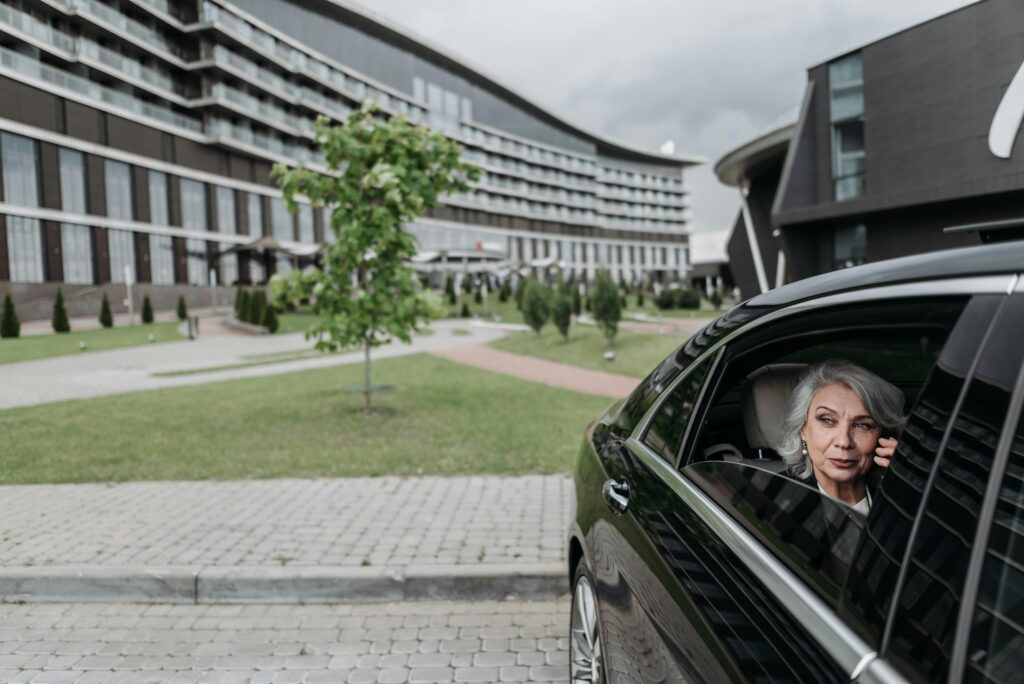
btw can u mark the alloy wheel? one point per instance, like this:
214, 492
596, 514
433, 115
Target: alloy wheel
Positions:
585, 662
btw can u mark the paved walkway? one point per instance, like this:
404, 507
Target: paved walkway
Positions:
132, 369
540, 370
507, 641
279, 540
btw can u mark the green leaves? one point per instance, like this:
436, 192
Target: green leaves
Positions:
382, 174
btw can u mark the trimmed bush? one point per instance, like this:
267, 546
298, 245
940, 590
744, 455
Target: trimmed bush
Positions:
270, 321
257, 304
238, 301
607, 310
60, 314
465, 313
665, 300
536, 305
687, 298
182, 309
561, 313
467, 283
577, 301
505, 292
640, 299
243, 306
10, 326
716, 298
147, 310
449, 289
106, 317
478, 297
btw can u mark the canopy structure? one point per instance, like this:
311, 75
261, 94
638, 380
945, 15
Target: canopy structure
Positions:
460, 261
293, 249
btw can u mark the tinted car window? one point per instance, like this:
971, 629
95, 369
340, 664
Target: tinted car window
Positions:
876, 570
812, 533
929, 598
995, 652
666, 431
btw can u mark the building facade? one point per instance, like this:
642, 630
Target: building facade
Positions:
137, 138
893, 142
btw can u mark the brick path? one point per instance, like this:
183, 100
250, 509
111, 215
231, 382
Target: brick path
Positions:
540, 370
387, 521
506, 641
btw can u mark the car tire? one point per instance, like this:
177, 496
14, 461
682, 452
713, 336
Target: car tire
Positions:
586, 644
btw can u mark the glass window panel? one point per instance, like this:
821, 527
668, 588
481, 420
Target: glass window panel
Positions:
329, 235
24, 249
255, 209
159, 209
193, 205
20, 170
118, 182
197, 272
72, 183
122, 255
665, 436
281, 219
306, 232
161, 259
76, 250
226, 224
850, 246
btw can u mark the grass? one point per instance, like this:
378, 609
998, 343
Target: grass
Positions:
636, 354
275, 358
444, 419
44, 346
294, 322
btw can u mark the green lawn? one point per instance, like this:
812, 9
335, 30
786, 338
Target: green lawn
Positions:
294, 322
43, 346
636, 354
443, 419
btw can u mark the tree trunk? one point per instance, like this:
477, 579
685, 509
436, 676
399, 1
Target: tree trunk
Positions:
367, 388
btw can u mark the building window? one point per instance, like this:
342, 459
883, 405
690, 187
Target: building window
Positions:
76, 252
72, 182
161, 249
255, 210
25, 249
849, 246
226, 224
193, 217
846, 108
329, 235
159, 209
281, 219
118, 180
24, 236
122, 255
306, 233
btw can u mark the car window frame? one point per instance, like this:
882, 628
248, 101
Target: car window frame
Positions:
838, 638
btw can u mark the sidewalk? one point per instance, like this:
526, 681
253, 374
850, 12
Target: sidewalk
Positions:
286, 541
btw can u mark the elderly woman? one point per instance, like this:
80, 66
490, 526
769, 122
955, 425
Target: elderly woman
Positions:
834, 426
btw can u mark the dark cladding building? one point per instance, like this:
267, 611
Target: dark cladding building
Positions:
893, 142
137, 137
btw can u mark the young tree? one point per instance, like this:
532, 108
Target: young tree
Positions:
384, 173
182, 309
561, 313
577, 301
606, 304
60, 314
466, 313
536, 305
449, 289
147, 310
106, 317
10, 326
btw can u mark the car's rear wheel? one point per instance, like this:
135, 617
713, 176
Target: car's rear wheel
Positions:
586, 649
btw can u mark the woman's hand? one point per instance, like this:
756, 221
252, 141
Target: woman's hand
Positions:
884, 452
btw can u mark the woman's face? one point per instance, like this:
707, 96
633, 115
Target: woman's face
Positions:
841, 437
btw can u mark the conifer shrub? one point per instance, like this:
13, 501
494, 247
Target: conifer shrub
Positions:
182, 308
536, 305
577, 301
640, 299
257, 304
147, 310
243, 306
238, 301
665, 300
505, 292
561, 313
270, 321
607, 309
449, 289
687, 298
106, 317
465, 313
478, 297
60, 314
716, 298
10, 326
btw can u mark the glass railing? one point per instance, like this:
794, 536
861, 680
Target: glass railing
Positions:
28, 24
170, 9
125, 65
243, 134
253, 104
261, 75
143, 33
83, 86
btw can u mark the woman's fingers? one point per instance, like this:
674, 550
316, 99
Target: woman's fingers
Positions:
882, 462
886, 448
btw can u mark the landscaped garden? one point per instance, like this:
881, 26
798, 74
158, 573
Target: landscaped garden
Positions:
442, 419
42, 346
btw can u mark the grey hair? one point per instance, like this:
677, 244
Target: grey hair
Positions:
883, 401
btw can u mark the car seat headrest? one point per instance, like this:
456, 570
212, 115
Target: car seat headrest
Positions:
765, 399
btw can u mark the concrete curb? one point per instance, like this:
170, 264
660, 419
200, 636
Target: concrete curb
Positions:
266, 584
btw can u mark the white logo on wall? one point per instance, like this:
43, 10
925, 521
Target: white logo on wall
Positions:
1009, 116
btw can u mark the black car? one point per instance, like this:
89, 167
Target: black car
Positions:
693, 556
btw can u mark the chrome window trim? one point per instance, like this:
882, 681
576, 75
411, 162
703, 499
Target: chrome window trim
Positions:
818, 619
970, 285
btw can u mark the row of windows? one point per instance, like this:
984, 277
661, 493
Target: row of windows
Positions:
621, 176
846, 112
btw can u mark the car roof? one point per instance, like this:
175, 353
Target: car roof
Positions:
991, 259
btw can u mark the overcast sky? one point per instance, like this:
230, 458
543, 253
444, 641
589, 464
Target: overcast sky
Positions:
708, 74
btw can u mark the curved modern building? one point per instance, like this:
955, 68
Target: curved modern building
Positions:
137, 137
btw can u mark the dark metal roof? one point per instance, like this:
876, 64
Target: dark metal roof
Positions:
953, 263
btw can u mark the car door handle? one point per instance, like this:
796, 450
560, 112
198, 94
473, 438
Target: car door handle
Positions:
616, 495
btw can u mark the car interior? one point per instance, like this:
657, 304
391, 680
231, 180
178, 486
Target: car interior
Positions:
744, 419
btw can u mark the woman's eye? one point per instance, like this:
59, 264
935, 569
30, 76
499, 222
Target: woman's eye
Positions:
826, 420
865, 426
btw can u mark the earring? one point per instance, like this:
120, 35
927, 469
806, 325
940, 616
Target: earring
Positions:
803, 447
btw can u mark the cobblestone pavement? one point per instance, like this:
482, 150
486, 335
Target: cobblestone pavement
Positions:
508, 641
386, 521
